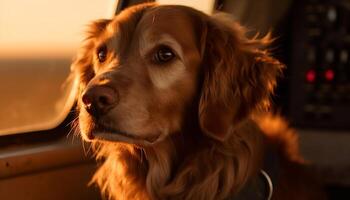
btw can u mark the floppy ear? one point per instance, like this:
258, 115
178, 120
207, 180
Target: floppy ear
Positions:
239, 77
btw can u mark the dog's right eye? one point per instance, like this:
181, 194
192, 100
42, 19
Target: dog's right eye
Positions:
102, 53
163, 54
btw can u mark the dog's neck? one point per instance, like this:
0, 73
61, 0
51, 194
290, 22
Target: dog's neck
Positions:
183, 166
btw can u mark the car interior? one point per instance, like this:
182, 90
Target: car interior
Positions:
43, 157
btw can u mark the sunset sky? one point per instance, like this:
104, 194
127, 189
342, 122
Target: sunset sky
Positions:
45, 28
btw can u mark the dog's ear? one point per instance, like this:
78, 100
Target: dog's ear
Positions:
238, 77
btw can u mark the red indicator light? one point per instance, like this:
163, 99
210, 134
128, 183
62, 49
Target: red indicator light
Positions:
310, 76
329, 75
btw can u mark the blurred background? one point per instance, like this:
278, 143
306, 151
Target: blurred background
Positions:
41, 159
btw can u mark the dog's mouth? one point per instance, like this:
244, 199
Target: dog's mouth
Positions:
105, 133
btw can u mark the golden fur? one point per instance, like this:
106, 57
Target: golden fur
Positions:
202, 134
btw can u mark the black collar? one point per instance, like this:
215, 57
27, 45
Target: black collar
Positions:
261, 187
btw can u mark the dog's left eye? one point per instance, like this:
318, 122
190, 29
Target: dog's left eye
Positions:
102, 53
163, 54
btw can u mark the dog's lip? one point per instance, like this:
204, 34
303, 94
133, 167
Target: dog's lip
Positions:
113, 135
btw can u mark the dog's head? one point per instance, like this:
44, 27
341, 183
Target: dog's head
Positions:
142, 71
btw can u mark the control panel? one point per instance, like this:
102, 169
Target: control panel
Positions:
319, 71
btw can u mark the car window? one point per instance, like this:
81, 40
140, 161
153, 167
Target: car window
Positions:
38, 39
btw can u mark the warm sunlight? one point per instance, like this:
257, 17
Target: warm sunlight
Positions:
38, 39
202, 5
42, 28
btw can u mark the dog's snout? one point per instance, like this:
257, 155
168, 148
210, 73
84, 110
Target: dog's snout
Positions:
98, 100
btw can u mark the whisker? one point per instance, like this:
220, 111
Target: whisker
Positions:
74, 131
84, 149
89, 150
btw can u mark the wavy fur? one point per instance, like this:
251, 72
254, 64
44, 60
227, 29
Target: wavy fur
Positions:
223, 135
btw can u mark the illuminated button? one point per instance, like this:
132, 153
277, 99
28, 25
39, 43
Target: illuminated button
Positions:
344, 56
310, 76
329, 55
332, 14
329, 75
311, 55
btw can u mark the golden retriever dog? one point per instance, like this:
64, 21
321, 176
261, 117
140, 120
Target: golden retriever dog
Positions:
175, 103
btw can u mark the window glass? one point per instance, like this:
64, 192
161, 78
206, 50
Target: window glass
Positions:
38, 39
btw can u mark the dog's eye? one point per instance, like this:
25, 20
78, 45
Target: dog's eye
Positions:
163, 54
102, 53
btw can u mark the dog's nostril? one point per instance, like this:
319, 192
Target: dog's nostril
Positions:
86, 100
98, 100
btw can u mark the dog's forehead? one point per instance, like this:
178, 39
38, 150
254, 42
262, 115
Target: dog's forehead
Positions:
167, 20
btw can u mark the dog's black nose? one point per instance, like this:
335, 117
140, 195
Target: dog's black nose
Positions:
98, 100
